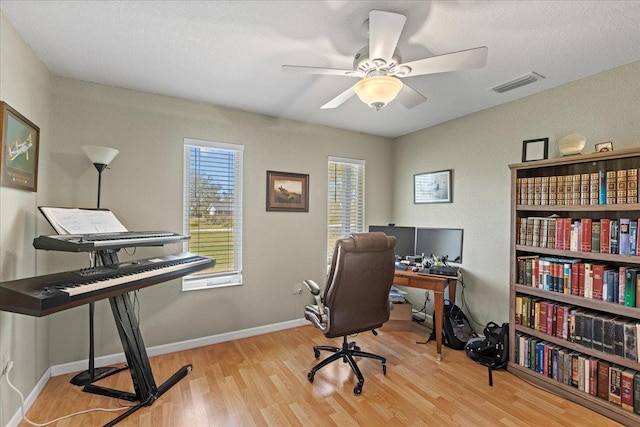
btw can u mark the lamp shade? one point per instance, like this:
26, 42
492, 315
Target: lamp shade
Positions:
99, 154
378, 91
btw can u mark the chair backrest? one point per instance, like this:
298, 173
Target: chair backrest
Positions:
361, 275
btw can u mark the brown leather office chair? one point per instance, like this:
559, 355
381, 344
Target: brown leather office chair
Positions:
355, 299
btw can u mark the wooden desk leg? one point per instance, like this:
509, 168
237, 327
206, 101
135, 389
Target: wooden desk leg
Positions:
437, 322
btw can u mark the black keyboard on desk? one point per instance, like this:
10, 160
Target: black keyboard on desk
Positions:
442, 270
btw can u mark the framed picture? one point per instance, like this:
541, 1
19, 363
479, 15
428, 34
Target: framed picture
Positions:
535, 149
604, 146
19, 155
432, 187
287, 192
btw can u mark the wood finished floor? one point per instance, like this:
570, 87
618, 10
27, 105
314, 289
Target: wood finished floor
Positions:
262, 381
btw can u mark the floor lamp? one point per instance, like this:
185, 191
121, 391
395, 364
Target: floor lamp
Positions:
100, 157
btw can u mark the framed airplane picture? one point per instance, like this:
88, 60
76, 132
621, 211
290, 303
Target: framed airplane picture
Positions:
19, 155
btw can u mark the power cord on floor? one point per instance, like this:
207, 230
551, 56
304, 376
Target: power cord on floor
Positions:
10, 366
464, 303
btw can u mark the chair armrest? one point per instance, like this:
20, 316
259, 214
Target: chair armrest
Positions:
312, 286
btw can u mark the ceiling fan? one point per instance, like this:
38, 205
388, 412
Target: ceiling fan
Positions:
380, 68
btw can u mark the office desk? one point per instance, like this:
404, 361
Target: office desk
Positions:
434, 283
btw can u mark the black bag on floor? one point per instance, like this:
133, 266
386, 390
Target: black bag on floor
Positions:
492, 350
456, 330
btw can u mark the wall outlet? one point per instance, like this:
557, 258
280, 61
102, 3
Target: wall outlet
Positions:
6, 358
297, 288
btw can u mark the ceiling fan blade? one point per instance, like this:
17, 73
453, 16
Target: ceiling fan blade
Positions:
384, 32
340, 99
472, 58
409, 97
321, 70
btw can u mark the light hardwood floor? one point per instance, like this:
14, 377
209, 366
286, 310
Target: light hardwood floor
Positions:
262, 381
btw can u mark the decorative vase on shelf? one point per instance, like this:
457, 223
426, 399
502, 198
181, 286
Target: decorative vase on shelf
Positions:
572, 144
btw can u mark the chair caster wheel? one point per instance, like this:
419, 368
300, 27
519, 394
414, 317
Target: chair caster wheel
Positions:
316, 353
384, 369
357, 390
310, 376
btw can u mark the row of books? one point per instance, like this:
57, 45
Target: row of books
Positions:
592, 375
605, 236
598, 331
596, 188
615, 284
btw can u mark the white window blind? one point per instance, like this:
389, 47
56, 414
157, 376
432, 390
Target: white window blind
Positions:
213, 211
346, 200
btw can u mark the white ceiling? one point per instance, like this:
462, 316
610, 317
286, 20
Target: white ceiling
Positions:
229, 53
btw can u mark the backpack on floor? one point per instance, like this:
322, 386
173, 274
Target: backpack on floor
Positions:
492, 350
456, 329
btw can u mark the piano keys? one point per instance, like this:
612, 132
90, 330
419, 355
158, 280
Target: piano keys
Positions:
42, 295
106, 241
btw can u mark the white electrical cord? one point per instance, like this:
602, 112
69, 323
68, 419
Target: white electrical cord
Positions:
10, 366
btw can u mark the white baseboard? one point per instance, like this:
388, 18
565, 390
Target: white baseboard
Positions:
80, 365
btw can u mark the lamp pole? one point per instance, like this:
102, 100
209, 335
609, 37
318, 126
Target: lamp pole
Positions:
100, 157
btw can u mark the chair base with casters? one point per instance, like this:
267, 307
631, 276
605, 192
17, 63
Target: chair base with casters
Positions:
346, 353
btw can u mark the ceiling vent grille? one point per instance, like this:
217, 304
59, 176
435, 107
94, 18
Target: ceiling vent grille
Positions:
532, 77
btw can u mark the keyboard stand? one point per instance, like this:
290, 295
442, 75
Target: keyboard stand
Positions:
146, 391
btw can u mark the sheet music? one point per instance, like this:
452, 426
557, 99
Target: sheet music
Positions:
82, 221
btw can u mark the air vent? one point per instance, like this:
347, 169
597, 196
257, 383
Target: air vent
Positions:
532, 77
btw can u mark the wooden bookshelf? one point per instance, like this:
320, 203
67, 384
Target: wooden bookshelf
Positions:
522, 208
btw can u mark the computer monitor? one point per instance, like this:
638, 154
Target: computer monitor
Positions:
439, 242
405, 238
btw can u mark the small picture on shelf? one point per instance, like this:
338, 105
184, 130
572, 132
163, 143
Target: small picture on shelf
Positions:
535, 149
603, 147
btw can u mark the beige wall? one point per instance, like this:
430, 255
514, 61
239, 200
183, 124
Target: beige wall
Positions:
25, 86
143, 187
479, 148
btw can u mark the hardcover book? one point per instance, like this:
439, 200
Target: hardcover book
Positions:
615, 375
624, 236
605, 236
603, 379
630, 341
626, 389
618, 337
608, 333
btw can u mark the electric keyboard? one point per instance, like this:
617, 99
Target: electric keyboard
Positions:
43, 295
106, 241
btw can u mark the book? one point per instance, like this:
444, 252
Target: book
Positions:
615, 375
592, 363
603, 379
636, 393
627, 389
624, 236
597, 283
595, 236
585, 234
630, 287
630, 341
608, 333
587, 329
618, 337
605, 235
598, 332
614, 235
633, 237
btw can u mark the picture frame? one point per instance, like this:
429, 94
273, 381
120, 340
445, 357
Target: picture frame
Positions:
19, 154
602, 147
535, 149
433, 187
287, 192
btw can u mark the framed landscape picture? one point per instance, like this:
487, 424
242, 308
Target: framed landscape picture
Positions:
287, 192
19, 155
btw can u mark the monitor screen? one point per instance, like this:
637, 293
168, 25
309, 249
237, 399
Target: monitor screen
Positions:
439, 242
405, 238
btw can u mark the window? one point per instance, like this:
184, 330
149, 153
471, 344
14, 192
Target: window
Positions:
346, 200
213, 211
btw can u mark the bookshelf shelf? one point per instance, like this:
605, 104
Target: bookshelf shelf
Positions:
578, 190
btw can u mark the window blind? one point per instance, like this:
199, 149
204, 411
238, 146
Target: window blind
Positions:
346, 200
213, 210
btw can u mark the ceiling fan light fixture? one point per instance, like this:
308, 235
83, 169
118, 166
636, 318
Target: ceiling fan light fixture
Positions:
378, 91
